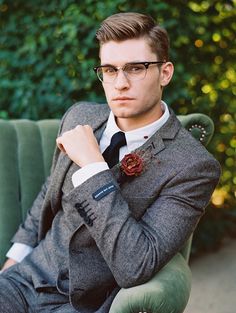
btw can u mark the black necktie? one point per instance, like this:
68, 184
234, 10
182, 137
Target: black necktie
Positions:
111, 154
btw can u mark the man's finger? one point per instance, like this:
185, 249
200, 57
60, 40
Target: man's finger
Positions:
60, 145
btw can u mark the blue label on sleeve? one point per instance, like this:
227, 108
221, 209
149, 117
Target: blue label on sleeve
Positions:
103, 191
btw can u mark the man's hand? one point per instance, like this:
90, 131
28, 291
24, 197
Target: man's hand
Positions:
8, 264
80, 145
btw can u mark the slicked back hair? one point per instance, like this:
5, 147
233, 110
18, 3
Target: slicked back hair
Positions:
123, 26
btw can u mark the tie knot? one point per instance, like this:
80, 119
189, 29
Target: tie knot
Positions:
118, 140
111, 154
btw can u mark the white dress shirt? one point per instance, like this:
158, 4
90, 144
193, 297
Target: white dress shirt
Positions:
134, 138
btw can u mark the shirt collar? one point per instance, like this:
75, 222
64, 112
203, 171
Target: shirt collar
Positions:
136, 137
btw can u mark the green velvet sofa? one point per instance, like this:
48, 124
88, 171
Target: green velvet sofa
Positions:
26, 149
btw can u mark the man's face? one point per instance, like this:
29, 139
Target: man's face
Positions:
134, 103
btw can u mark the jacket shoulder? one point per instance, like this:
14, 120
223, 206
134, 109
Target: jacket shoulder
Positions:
84, 113
189, 151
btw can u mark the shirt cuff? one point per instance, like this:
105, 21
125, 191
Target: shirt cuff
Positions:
88, 171
19, 251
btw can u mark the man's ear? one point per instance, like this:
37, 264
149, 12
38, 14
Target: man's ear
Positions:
167, 71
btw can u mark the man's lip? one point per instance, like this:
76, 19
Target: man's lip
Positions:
122, 98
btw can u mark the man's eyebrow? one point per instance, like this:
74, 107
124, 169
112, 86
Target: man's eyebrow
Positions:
108, 64
130, 62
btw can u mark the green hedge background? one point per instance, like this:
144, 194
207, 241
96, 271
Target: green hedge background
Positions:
48, 50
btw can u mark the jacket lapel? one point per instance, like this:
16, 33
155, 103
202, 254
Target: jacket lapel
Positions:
167, 132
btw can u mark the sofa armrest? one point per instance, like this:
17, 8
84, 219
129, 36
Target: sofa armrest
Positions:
167, 292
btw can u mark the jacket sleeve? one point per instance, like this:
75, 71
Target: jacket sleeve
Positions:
27, 232
135, 249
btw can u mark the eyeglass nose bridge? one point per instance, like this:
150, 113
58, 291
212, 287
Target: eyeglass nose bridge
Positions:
121, 69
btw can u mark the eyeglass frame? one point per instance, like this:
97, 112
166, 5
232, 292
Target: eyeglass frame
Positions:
117, 68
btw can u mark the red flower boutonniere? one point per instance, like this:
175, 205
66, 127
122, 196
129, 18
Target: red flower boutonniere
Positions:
132, 165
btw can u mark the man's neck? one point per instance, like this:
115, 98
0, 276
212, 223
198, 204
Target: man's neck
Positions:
132, 123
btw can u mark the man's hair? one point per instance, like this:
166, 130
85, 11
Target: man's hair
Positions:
123, 26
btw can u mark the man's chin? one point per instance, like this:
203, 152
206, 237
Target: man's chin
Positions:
119, 112
122, 115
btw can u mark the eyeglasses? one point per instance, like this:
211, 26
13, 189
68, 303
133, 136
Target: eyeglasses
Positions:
133, 71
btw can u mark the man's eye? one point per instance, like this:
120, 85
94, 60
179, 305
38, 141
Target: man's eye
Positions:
134, 68
108, 70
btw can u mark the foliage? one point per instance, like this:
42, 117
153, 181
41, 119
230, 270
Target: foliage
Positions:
48, 50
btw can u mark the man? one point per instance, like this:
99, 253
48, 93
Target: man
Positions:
99, 225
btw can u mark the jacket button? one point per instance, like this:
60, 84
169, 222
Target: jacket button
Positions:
82, 213
64, 275
75, 251
76, 290
78, 206
88, 221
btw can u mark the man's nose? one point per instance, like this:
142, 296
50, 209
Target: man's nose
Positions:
121, 81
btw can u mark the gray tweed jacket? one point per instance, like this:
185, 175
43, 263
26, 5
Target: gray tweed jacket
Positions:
127, 231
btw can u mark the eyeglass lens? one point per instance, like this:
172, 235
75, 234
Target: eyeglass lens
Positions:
131, 71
